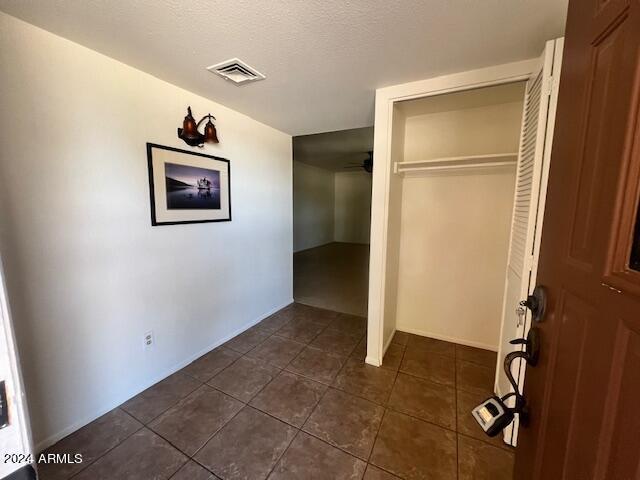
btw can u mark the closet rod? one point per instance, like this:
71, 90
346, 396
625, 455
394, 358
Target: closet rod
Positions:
457, 163
456, 167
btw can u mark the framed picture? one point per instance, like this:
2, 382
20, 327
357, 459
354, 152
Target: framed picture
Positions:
188, 187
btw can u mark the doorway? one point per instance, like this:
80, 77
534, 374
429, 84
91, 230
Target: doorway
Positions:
331, 219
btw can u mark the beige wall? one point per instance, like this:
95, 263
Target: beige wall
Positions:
352, 213
453, 254
454, 229
313, 206
87, 273
472, 131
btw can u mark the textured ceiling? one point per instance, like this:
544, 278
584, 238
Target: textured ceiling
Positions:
334, 150
323, 58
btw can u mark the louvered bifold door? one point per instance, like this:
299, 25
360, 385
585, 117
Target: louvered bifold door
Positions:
528, 209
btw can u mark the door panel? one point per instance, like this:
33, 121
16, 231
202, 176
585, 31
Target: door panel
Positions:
582, 246
624, 406
583, 393
576, 331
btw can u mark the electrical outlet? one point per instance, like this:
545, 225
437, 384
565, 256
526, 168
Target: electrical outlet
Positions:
148, 340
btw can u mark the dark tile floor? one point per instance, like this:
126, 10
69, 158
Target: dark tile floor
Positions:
292, 398
334, 276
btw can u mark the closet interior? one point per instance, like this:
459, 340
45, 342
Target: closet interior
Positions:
451, 198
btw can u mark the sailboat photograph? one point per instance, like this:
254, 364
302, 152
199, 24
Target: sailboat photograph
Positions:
192, 187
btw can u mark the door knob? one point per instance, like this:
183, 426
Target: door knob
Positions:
536, 302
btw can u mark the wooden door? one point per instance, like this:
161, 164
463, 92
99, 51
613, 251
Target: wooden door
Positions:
584, 392
528, 208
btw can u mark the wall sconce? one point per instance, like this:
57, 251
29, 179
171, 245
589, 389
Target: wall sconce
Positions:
190, 134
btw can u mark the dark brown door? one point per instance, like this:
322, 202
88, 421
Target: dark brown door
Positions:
584, 394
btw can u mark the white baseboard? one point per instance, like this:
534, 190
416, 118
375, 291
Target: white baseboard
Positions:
372, 361
461, 341
329, 243
386, 345
50, 440
376, 362
315, 246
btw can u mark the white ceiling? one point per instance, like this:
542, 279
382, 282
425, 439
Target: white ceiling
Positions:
323, 58
334, 150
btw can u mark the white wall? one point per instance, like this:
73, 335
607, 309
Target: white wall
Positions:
352, 214
454, 229
313, 206
87, 273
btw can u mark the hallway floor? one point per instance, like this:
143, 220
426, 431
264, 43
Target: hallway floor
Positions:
333, 276
291, 398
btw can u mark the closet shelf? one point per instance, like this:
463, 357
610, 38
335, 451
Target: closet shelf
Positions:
451, 164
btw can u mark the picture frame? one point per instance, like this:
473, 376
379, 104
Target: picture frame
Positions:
187, 187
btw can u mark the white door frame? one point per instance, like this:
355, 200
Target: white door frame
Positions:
383, 169
16, 437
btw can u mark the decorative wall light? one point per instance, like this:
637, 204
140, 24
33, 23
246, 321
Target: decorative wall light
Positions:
190, 134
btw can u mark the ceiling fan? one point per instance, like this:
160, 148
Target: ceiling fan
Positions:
366, 165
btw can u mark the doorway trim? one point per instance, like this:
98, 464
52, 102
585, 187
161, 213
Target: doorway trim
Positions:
383, 170
15, 438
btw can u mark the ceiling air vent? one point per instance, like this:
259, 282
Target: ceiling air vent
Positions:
236, 71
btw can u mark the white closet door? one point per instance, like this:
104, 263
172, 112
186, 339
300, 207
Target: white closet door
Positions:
528, 210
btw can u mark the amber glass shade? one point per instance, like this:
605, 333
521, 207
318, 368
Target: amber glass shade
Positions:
189, 126
210, 134
190, 134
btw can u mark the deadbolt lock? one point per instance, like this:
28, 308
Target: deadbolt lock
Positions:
536, 302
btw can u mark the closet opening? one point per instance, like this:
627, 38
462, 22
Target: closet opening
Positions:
458, 209
455, 170
453, 183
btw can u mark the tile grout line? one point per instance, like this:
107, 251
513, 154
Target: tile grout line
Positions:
206, 441
277, 462
112, 448
386, 407
143, 425
326, 390
245, 404
311, 434
146, 424
299, 429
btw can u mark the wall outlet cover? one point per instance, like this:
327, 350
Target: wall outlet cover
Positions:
148, 340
